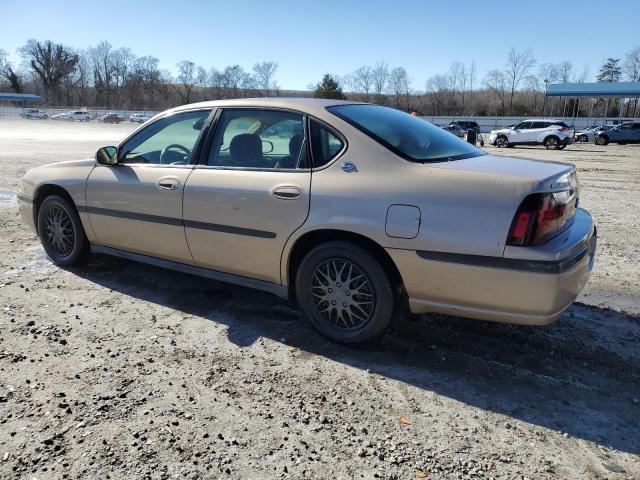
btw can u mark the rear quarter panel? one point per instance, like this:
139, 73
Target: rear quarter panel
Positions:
461, 212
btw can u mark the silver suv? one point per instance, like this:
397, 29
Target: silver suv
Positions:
553, 134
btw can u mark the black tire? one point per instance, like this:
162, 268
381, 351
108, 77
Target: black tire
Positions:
551, 143
320, 302
502, 142
561, 147
61, 232
583, 138
602, 140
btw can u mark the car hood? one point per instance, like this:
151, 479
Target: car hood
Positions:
500, 166
500, 130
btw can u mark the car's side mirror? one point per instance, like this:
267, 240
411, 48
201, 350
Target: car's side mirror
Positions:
107, 156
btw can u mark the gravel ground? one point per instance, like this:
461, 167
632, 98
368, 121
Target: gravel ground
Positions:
121, 370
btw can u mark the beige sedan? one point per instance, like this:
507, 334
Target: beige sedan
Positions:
357, 212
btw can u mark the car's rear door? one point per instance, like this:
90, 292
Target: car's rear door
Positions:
250, 193
136, 205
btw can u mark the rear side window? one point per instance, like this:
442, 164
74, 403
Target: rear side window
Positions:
409, 137
325, 144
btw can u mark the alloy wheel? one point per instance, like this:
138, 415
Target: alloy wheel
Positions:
59, 231
343, 294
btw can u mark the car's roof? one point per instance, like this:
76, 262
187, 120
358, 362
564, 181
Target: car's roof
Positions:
296, 103
541, 120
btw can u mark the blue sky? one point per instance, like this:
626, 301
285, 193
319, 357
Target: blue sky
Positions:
310, 38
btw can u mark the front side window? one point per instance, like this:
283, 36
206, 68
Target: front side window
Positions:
409, 137
522, 126
325, 144
625, 126
538, 124
169, 140
254, 138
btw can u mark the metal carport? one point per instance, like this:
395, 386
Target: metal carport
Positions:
606, 90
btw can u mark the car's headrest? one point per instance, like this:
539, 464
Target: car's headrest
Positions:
246, 149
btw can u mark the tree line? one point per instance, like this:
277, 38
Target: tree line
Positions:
116, 78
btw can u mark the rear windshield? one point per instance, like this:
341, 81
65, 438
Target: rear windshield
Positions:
410, 137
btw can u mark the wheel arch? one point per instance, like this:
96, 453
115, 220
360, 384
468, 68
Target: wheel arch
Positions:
307, 241
45, 190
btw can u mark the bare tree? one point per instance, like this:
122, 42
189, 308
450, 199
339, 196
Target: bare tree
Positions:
187, 80
472, 73
399, 85
7, 72
496, 82
564, 70
52, 62
632, 70
632, 65
102, 72
363, 79
455, 76
518, 65
264, 76
380, 76
437, 86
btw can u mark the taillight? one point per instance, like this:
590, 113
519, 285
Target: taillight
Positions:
540, 216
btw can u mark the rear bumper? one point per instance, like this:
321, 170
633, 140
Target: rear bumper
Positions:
532, 290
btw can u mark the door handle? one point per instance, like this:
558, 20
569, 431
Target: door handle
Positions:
287, 193
168, 183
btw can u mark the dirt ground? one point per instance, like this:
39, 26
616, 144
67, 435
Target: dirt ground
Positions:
121, 370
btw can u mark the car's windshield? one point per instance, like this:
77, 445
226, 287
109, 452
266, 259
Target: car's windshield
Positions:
410, 137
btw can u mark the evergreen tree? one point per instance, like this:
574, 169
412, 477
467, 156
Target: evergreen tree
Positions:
329, 88
610, 72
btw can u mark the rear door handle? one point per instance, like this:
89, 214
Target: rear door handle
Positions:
168, 183
287, 193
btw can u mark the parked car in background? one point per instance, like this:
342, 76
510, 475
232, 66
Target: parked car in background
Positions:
139, 117
457, 130
553, 134
60, 116
466, 125
587, 134
34, 113
76, 115
400, 215
111, 118
621, 134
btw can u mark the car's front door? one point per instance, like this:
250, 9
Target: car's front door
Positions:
250, 193
519, 133
136, 205
635, 128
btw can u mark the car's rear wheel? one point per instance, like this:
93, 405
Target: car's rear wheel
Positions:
602, 140
502, 142
345, 292
551, 143
61, 232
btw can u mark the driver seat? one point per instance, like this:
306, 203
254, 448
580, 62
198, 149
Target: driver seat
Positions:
246, 150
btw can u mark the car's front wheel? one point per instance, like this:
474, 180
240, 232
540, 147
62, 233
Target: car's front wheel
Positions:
61, 232
502, 142
602, 140
345, 292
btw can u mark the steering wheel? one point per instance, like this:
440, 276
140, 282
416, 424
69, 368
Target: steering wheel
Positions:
175, 146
